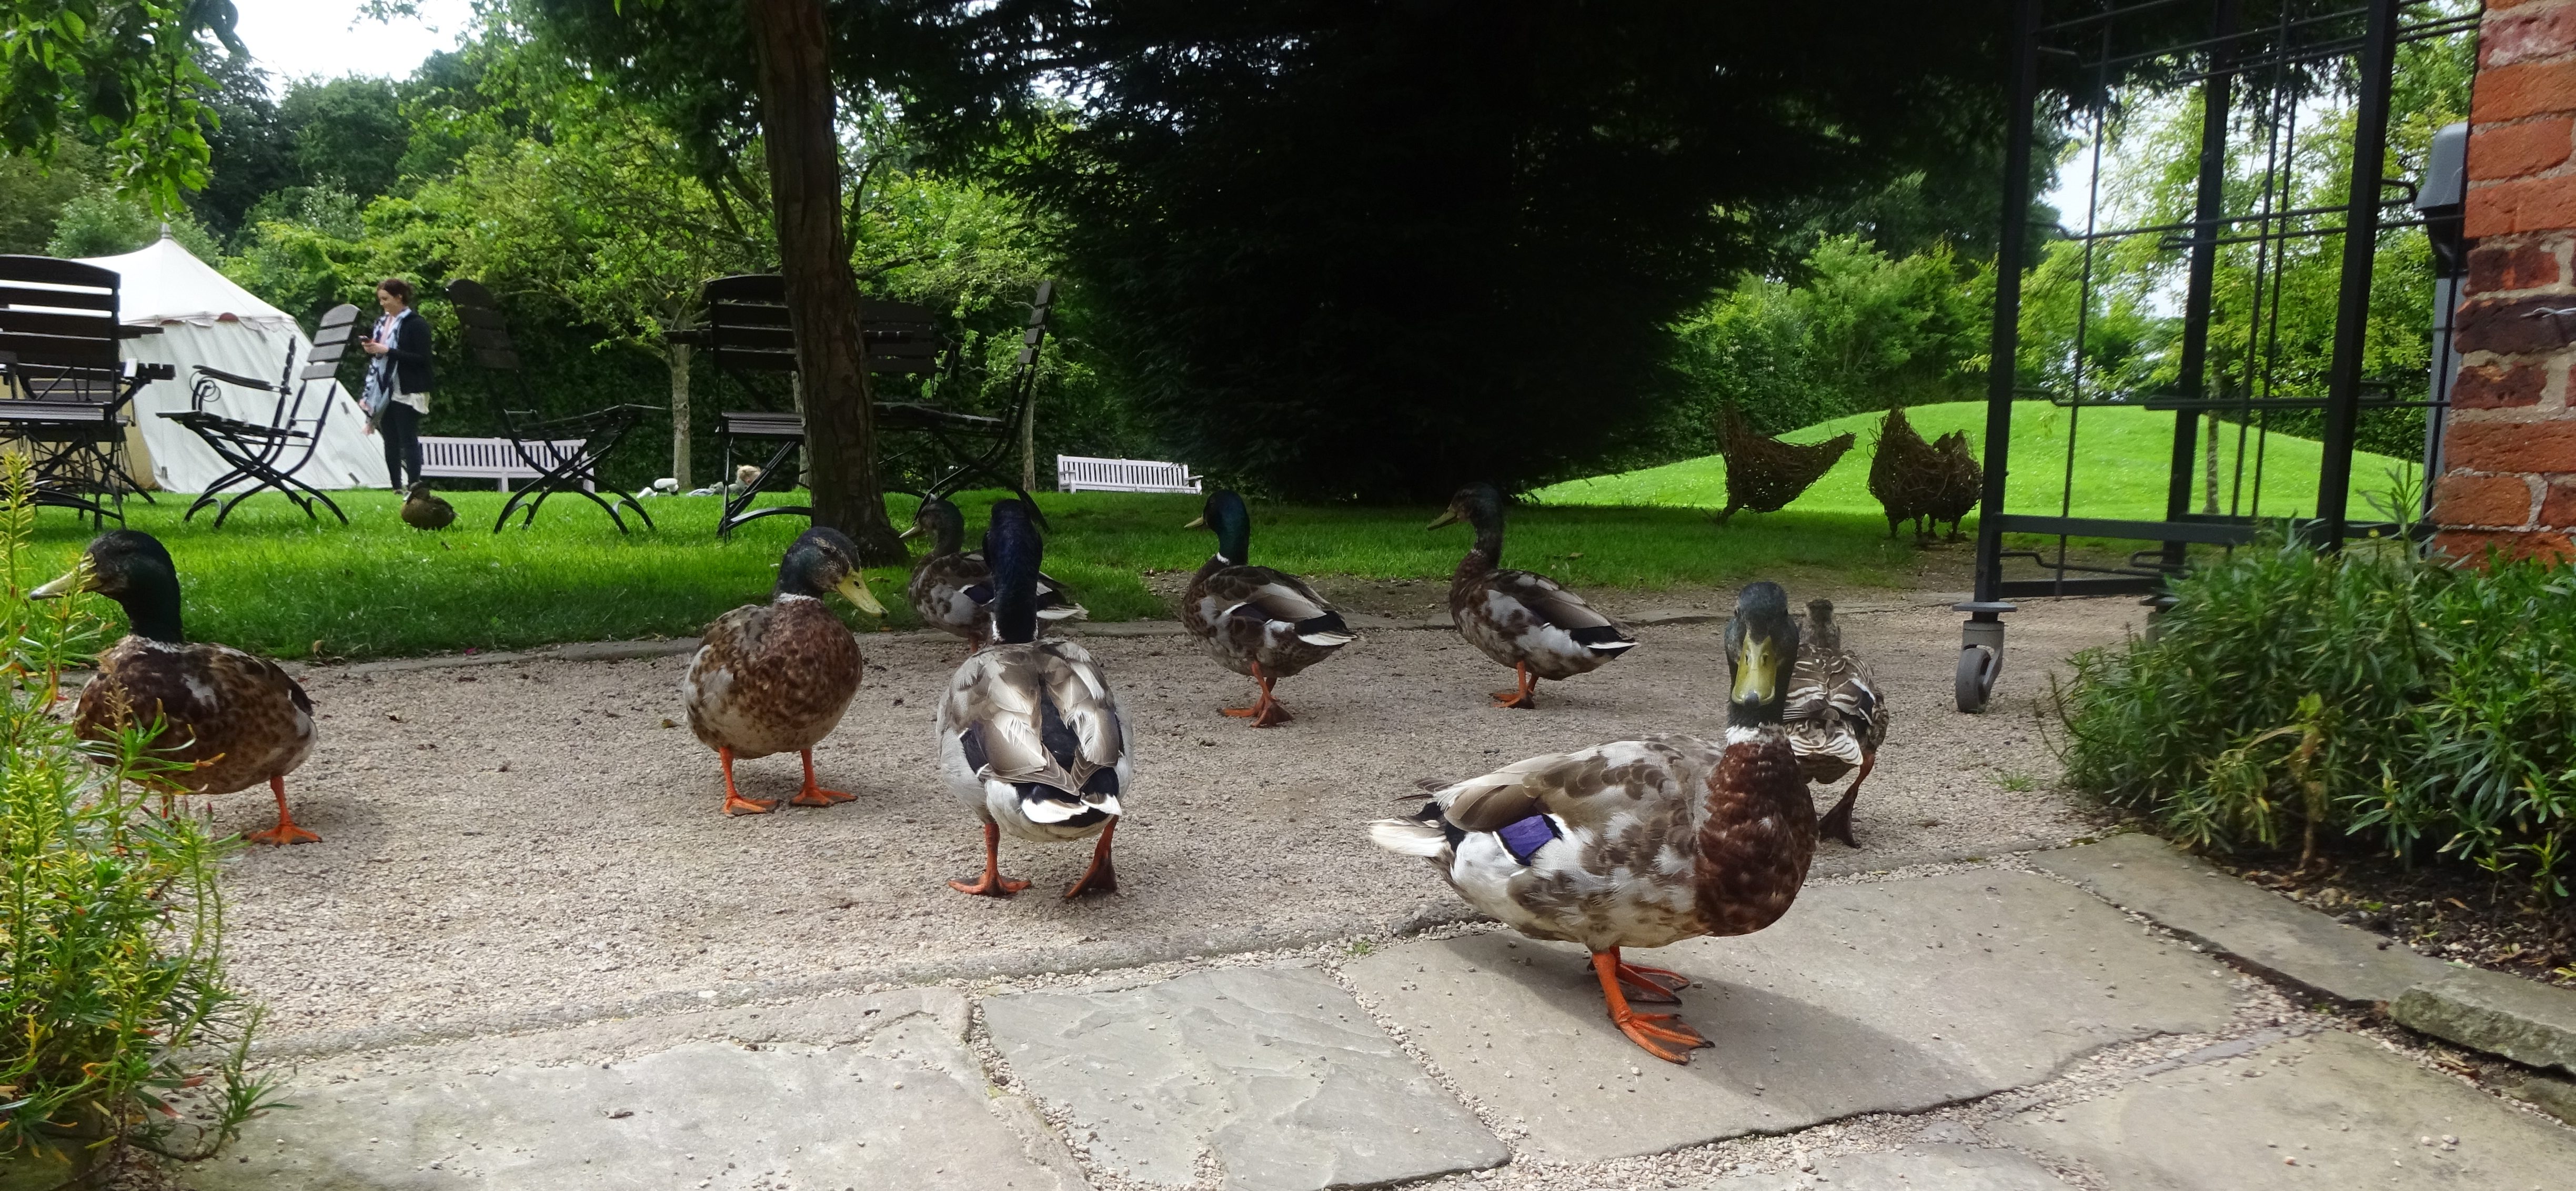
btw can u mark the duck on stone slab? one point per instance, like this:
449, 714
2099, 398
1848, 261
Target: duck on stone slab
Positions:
232, 720
1254, 620
1030, 737
775, 677
1642, 842
952, 588
1521, 619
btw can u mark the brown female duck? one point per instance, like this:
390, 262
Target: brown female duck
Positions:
775, 677
1835, 716
233, 719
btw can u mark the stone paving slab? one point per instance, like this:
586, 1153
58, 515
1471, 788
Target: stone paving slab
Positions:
2501, 1014
1885, 997
861, 1092
1275, 1072
2264, 931
1915, 1168
2332, 1111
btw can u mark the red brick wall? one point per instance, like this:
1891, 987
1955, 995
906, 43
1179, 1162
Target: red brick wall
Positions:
2510, 448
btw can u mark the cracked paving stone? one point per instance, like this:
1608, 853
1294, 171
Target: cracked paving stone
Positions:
1276, 1072
1914, 1168
1886, 997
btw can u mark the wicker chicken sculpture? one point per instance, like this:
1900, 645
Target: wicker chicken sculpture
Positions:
1922, 482
1765, 474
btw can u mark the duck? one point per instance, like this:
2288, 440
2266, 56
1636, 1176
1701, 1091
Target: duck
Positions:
775, 677
1643, 842
1030, 737
233, 719
952, 589
424, 509
1255, 621
1835, 715
1521, 619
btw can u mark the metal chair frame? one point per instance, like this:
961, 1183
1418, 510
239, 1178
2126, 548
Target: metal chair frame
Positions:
253, 449
487, 336
65, 389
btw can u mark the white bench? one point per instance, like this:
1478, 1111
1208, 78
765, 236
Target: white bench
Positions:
1073, 473
491, 459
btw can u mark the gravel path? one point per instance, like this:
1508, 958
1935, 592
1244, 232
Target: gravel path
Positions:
502, 839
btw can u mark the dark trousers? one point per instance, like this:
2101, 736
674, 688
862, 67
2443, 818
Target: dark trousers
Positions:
400, 426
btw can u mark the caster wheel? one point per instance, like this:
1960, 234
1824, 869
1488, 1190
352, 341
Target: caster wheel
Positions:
1978, 666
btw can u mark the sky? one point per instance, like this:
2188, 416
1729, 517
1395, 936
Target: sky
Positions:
295, 38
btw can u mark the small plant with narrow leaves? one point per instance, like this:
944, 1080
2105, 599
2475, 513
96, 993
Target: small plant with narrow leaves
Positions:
2426, 708
111, 924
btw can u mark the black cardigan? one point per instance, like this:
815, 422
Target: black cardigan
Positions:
410, 353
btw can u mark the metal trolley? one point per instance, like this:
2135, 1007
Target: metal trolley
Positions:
2262, 71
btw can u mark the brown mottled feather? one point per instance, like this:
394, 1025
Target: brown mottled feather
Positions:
1270, 602
772, 678
237, 717
1757, 839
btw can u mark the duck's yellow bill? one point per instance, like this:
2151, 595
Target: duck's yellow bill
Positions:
909, 534
75, 580
1448, 518
1756, 672
1196, 523
855, 590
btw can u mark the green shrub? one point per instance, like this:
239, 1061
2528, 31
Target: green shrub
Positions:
2426, 709
110, 918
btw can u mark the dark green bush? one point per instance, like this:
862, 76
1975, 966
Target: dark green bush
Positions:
2427, 710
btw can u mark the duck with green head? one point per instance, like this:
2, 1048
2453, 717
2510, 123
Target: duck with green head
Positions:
232, 718
952, 587
1255, 621
1642, 842
775, 677
1522, 619
1030, 737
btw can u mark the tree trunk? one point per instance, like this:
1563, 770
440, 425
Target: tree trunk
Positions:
680, 414
795, 83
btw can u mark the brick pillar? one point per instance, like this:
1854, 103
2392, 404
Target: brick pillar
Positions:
2510, 446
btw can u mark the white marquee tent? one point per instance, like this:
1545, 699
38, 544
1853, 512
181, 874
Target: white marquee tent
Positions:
206, 319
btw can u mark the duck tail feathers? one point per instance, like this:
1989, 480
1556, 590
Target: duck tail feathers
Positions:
1328, 630
1411, 837
1604, 638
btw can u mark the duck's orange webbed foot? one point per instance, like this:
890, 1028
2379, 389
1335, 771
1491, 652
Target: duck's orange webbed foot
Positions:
1102, 876
286, 832
1651, 984
993, 883
1662, 1035
814, 794
735, 803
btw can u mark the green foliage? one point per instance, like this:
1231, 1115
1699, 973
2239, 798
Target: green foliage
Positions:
33, 193
127, 70
2428, 710
111, 921
349, 133
102, 223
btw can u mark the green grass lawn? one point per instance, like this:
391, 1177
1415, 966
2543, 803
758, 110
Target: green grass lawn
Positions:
2121, 471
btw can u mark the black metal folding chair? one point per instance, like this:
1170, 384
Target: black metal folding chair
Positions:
921, 447
255, 450
65, 388
574, 472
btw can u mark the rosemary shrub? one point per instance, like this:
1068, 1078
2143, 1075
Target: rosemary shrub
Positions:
2426, 709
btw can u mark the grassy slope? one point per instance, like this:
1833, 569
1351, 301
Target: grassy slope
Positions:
2120, 471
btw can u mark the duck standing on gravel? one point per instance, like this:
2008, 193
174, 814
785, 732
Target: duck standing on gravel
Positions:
1254, 620
1835, 716
1522, 619
1030, 739
775, 677
1641, 843
233, 719
952, 588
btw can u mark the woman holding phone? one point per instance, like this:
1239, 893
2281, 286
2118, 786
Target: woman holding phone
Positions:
398, 379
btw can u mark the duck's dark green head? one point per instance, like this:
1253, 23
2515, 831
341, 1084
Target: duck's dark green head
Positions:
1015, 553
822, 560
941, 520
1761, 650
1224, 513
134, 569
1479, 505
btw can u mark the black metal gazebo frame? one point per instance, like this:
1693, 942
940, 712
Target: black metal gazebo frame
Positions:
2242, 55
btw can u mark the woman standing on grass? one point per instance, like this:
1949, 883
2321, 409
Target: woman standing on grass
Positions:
398, 379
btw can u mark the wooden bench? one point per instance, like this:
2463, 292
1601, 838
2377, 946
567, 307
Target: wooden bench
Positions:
493, 459
1073, 473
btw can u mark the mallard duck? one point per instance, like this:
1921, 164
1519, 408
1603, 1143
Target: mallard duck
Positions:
1835, 716
1030, 739
234, 718
424, 509
952, 589
1254, 620
775, 677
1520, 618
1640, 843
